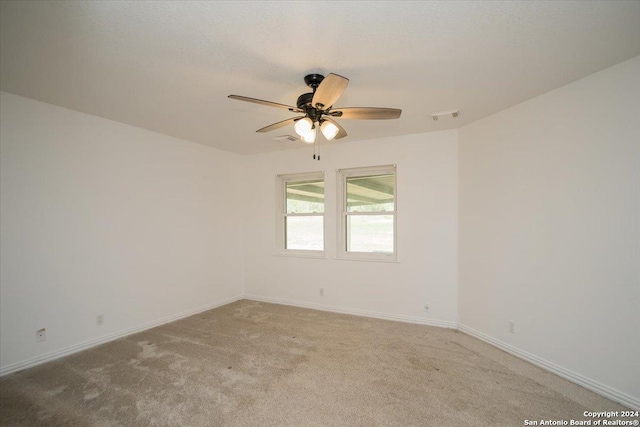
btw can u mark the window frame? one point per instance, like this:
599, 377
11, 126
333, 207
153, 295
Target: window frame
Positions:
281, 214
343, 214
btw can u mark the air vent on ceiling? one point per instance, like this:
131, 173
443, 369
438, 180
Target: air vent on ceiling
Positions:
452, 113
286, 138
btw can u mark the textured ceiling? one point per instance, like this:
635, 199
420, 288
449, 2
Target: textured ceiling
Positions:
169, 66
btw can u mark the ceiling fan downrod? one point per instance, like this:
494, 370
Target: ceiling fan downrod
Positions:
313, 80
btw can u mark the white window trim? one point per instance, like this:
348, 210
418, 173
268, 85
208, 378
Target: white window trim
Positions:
281, 212
342, 175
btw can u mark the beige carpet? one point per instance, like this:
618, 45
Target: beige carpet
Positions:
257, 364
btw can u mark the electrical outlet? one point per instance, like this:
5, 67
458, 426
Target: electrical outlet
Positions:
41, 335
321, 292
99, 319
512, 327
427, 307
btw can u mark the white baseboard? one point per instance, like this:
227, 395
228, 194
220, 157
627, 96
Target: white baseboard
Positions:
595, 386
38, 360
356, 312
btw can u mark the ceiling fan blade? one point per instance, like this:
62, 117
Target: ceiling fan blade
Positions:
279, 124
329, 91
341, 132
267, 103
366, 113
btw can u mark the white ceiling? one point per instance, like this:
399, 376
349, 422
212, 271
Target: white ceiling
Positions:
169, 66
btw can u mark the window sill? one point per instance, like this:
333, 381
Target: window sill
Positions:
299, 254
388, 261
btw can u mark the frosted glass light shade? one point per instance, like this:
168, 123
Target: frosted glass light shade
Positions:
309, 137
303, 126
329, 130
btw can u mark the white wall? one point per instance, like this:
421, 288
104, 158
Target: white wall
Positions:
550, 227
102, 217
427, 236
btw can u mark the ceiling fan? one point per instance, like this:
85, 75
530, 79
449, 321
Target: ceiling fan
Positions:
318, 112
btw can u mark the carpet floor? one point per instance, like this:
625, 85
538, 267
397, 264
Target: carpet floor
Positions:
256, 364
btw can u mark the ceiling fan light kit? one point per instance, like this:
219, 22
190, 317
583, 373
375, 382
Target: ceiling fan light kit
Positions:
318, 111
329, 130
303, 126
309, 137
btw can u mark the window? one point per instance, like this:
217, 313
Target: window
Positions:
367, 225
301, 213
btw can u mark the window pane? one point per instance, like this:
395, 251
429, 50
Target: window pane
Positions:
370, 193
304, 232
370, 233
305, 196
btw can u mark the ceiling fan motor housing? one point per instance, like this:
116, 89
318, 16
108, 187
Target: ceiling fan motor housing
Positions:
304, 103
304, 99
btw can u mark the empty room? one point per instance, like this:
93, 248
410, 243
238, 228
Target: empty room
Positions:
345, 213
